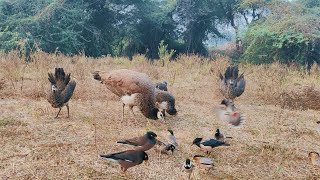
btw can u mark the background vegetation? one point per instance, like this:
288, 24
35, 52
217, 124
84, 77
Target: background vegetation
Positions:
265, 30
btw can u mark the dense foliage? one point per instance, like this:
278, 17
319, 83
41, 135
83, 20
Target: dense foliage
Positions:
282, 30
289, 34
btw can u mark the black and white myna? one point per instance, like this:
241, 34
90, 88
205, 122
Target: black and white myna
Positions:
188, 167
162, 86
127, 159
227, 112
209, 144
142, 143
170, 145
218, 135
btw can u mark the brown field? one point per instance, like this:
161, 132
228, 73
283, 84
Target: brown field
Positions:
273, 143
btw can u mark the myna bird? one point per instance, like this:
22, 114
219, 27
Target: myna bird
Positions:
188, 167
227, 112
231, 84
61, 89
172, 138
315, 159
142, 143
165, 102
170, 145
203, 163
127, 159
209, 144
163, 86
219, 136
133, 88
164, 148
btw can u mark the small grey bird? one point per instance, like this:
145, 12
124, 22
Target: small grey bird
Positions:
219, 136
61, 89
227, 112
142, 143
162, 86
203, 163
231, 84
127, 159
170, 145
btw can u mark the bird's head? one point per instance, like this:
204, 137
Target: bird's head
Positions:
145, 158
187, 164
151, 135
160, 115
197, 141
54, 88
170, 147
155, 114
171, 132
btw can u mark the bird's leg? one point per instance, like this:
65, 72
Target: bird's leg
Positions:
123, 172
68, 109
58, 113
123, 112
134, 116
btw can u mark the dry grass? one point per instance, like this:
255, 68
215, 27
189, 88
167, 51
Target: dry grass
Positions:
273, 144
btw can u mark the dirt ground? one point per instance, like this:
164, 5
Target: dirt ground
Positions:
272, 144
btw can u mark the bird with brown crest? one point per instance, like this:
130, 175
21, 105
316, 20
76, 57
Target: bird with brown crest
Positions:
61, 89
133, 88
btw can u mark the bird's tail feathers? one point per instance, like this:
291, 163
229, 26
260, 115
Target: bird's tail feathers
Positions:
60, 75
51, 78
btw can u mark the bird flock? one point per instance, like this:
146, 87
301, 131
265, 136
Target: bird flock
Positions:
154, 102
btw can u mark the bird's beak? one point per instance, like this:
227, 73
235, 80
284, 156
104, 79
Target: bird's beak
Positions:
146, 162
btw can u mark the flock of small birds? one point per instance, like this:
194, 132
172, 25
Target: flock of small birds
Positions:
154, 101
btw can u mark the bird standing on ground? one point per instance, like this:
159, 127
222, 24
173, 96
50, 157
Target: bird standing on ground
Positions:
188, 167
170, 145
61, 89
227, 112
314, 158
127, 159
203, 163
134, 89
162, 86
219, 136
232, 85
209, 144
142, 143
165, 102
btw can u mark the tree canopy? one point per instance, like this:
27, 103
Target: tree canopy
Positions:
286, 31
